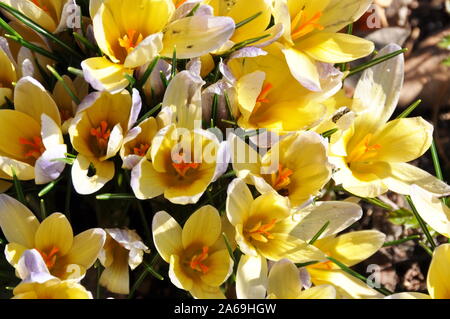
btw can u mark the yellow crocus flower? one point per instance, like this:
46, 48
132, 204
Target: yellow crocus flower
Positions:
269, 97
31, 137
350, 249
52, 15
298, 177
123, 248
38, 283
311, 35
263, 226
97, 133
438, 279
147, 31
199, 261
371, 156
66, 256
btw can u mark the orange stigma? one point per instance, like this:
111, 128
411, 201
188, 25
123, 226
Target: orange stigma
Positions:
301, 26
34, 146
102, 134
141, 150
37, 3
364, 151
281, 179
197, 261
182, 167
130, 40
261, 232
50, 258
180, 3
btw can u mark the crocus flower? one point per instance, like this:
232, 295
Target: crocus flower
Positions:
311, 35
65, 255
123, 249
97, 133
148, 31
199, 261
38, 283
31, 138
296, 167
371, 156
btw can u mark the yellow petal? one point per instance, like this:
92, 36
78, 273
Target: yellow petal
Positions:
4, 186
83, 181
251, 277
33, 12
319, 292
54, 232
166, 235
41, 103
286, 246
438, 280
220, 267
239, 202
177, 275
354, 247
270, 206
432, 210
303, 69
196, 36
194, 232
104, 75
86, 247
284, 280
346, 285
403, 140
339, 14
8, 74
249, 88
245, 159
335, 47
13, 253
201, 290
18, 223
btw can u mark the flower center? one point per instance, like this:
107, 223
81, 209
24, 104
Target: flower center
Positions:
141, 150
364, 151
196, 262
33, 147
181, 166
302, 24
38, 3
262, 97
281, 179
130, 40
261, 232
50, 257
101, 134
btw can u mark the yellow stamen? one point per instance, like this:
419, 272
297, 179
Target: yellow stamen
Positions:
50, 258
182, 167
364, 151
34, 146
261, 232
131, 40
197, 261
281, 179
141, 150
301, 25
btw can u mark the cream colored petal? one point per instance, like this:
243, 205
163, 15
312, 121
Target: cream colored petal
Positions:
54, 232
239, 201
17, 222
438, 279
86, 247
41, 103
166, 235
177, 274
196, 36
284, 280
146, 182
408, 295
432, 210
194, 232
339, 14
13, 253
251, 277
249, 88
85, 183
116, 277
303, 69
145, 52
319, 292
